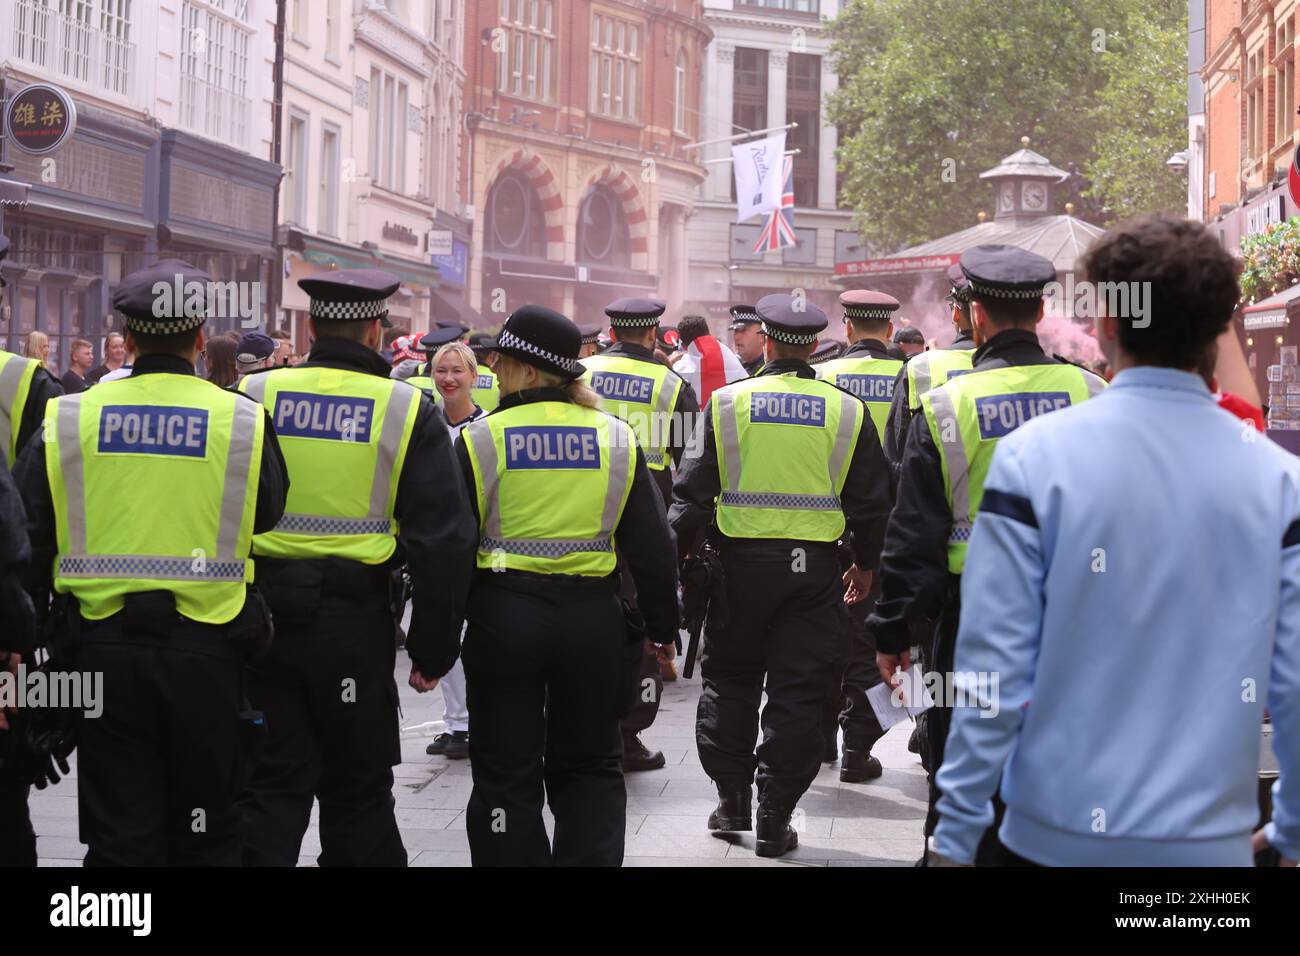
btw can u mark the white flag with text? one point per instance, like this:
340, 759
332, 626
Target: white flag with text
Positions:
758, 175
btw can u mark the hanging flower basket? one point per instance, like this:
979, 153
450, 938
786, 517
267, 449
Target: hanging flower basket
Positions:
1271, 260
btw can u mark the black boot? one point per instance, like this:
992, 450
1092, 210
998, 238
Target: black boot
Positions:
638, 757
859, 766
775, 836
733, 814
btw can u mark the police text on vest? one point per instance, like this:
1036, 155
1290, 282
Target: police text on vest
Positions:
552, 446
153, 430
74, 908
787, 408
869, 388
332, 417
1000, 415
620, 387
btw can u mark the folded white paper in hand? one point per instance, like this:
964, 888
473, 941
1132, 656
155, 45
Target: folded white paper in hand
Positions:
913, 698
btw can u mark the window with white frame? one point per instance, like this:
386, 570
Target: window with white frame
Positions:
679, 93
332, 28
526, 48
84, 40
615, 66
214, 70
327, 208
295, 179
388, 100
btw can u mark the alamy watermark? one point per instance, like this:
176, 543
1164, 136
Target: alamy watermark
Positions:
213, 299
1088, 300
71, 690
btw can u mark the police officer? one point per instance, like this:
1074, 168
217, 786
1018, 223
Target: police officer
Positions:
930, 369
486, 393
787, 462
868, 369
590, 339
25, 387
374, 483
949, 447
143, 496
662, 409
557, 485
746, 341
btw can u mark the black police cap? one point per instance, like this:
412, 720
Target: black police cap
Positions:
543, 338
635, 313
591, 332
163, 299
1006, 272
441, 334
351, 295
794, 321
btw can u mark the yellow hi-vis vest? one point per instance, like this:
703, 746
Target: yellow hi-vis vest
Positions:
15, 383
784, 447
484, 393
641, 393
154, 480
552, 479
870, 379
968, 416
344, 436
928, 370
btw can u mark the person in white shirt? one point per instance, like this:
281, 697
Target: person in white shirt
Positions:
454, 370
707, 364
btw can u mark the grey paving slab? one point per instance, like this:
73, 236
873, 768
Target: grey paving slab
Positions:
874, 824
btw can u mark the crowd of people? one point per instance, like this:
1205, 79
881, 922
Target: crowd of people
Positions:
1085, 589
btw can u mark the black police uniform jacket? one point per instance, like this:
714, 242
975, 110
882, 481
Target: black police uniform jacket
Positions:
644, 542
865, 498
915, 583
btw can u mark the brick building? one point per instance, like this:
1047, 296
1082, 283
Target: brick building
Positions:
573, 167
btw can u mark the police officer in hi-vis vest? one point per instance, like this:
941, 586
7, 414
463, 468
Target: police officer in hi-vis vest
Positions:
590, 339
930, 369
868, 369
788, 462
662, 409
143, 496
374, 484
947, 455
559, 487
25, 387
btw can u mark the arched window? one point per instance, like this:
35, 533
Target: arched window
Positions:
516, 224
602, 229
679, 93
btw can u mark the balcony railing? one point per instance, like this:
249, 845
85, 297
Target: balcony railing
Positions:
67, 48
214, 112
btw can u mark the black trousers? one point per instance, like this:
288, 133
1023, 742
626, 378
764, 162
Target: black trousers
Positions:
784, 625
17, 839
858, 721
648, 690
159, 770
330, 702
546, 677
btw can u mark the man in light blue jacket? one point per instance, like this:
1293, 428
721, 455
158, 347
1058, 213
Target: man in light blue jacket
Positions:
1132, 601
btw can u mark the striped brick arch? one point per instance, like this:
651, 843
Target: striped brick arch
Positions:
539, 174
638, 222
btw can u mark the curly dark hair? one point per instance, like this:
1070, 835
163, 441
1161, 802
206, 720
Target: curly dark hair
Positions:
1191, 287
691, 327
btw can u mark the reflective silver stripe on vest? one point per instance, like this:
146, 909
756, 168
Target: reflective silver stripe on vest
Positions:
730, 437
771, 499
332, 525
922, 376
844, 436
146, 566
621, 440
68, 427
390, 443
11, 378
662, 418
255, 386
239, 463
1096, 384
954, 453
544, 547
479, 435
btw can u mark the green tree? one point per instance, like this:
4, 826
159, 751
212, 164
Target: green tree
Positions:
933, 92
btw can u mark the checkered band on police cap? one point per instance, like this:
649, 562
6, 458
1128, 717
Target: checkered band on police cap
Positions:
348, 311
166, 325
789, 338
993, 292
509, 340
865, 313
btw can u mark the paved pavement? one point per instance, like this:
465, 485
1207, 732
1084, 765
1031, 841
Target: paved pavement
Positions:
873, 824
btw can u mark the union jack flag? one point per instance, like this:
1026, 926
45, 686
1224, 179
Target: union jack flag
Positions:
778, 232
